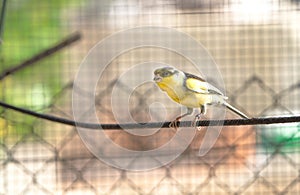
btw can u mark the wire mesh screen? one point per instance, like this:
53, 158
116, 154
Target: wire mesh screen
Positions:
255, 45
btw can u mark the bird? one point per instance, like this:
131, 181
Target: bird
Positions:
190, 91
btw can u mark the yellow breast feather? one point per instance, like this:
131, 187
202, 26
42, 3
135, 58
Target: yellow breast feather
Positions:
171, 93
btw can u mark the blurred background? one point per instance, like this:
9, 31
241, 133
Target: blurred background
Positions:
255, 44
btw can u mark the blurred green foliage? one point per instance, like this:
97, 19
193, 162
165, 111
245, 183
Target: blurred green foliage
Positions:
30, 27
284, 136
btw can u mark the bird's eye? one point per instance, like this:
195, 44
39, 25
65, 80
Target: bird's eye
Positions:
165, 74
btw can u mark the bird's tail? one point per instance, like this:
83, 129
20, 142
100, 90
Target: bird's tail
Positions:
235, 110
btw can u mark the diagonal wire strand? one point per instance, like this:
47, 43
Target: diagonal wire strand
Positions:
45, 53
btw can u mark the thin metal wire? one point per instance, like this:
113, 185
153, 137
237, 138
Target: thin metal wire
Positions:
227, 122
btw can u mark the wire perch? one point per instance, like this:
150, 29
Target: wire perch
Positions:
227, 122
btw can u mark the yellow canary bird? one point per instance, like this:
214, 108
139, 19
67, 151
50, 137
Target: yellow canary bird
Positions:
191, 91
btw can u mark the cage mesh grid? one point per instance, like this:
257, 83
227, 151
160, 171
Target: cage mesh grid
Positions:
256, 47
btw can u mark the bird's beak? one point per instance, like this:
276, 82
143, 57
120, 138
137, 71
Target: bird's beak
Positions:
157, 78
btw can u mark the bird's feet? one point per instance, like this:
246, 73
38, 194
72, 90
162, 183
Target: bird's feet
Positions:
174, 124
194, 124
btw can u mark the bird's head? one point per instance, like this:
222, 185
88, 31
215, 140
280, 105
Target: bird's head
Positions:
165, 74
168, 76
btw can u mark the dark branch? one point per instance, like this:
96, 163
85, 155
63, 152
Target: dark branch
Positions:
66, 42
228, 122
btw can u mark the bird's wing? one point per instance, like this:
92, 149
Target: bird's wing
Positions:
199, 85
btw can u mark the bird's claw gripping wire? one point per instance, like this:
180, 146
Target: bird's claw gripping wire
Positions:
174, 124
194, 124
